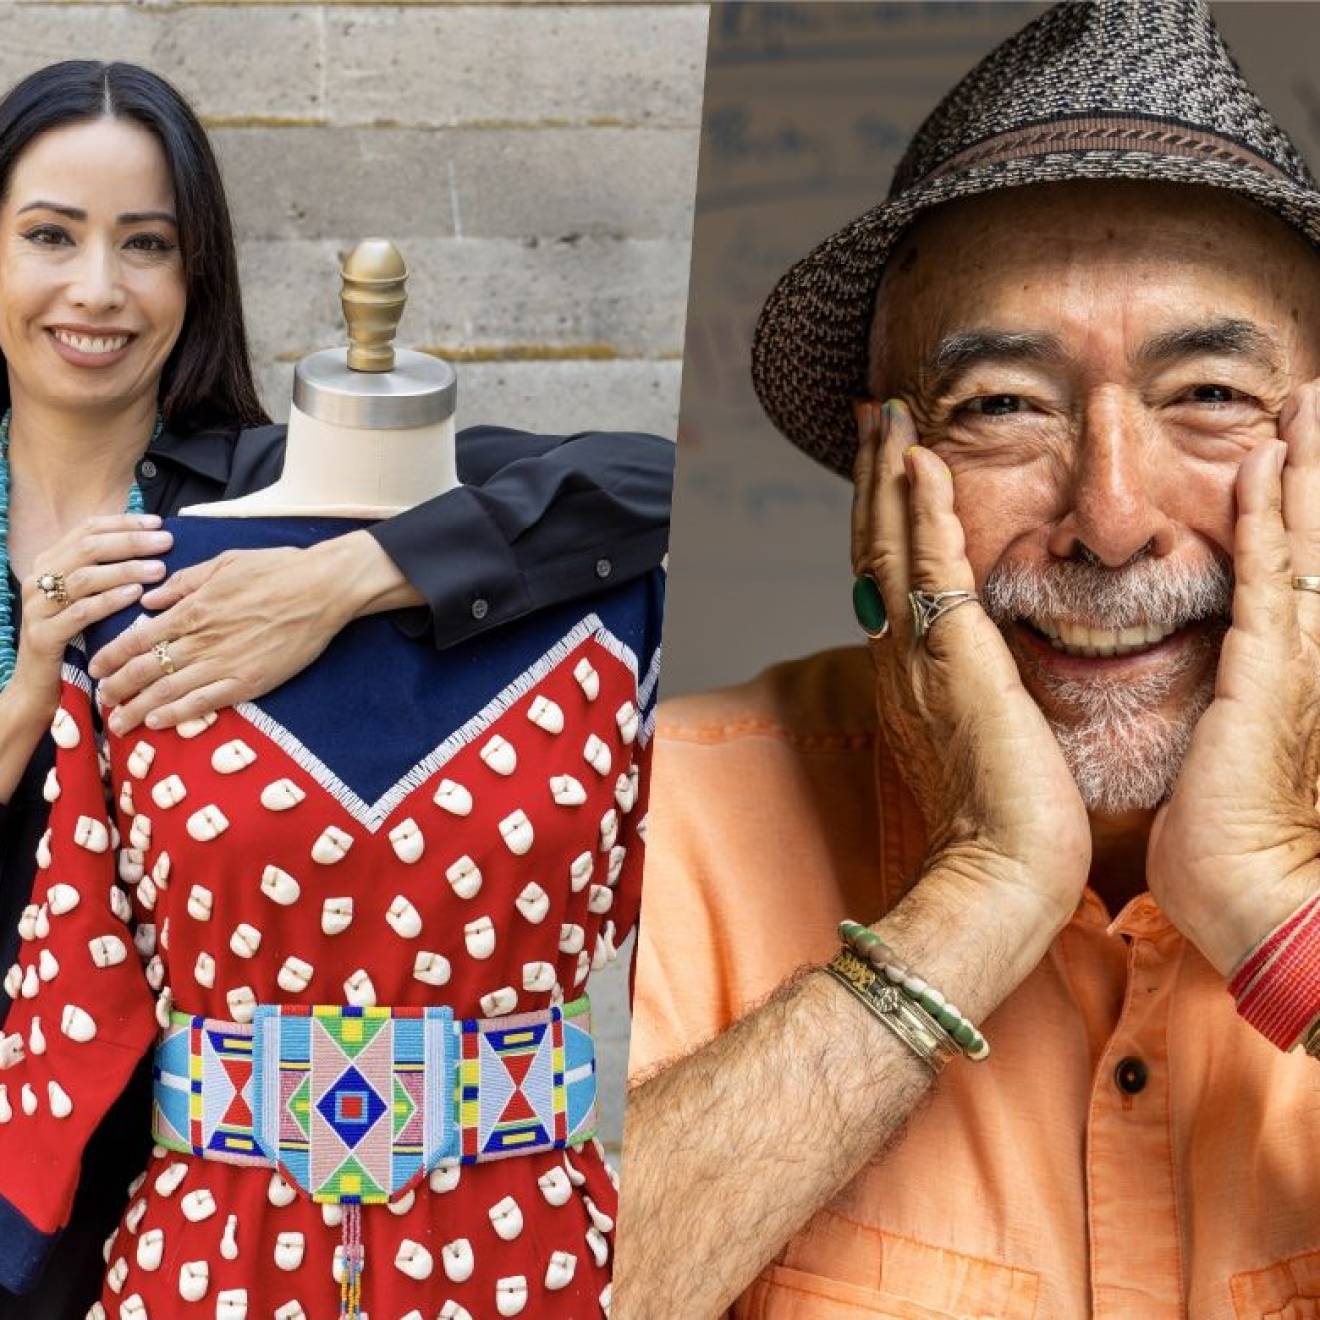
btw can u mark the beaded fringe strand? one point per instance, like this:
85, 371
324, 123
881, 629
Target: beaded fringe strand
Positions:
350, 1289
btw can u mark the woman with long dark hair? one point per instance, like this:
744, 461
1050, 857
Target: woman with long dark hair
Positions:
127, 394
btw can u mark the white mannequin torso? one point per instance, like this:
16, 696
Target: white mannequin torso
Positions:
341, 472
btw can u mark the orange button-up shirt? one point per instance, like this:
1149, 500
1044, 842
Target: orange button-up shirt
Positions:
1032, 1185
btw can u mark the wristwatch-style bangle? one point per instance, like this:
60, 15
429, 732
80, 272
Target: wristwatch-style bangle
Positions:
903, 1016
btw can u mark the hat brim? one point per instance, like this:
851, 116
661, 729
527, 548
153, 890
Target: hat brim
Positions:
809, 351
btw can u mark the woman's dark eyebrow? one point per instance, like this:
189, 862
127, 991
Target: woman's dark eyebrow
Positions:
76, 213
145, 217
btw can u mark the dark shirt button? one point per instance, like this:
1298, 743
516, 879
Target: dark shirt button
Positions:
147, 468
604, 568
480, 609
1130, 1075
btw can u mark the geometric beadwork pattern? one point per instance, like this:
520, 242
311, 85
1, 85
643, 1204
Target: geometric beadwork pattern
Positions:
171, 1075
203, 1097
225, 1118
354, 1104
579, 1071
512, 1078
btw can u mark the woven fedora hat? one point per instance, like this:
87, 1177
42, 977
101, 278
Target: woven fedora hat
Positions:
1114, 89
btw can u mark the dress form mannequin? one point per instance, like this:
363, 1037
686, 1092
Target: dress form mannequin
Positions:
414, 856
371, 430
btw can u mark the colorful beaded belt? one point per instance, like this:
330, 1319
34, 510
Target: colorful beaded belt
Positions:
356, 1105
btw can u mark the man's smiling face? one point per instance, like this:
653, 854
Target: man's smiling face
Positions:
1093, 362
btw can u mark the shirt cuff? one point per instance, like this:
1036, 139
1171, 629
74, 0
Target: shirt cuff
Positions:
461, 561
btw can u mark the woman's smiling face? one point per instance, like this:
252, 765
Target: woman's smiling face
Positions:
92, 292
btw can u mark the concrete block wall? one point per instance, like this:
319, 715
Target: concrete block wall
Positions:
536, 164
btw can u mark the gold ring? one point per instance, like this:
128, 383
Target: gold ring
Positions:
52, 584
162, 653
1306, 582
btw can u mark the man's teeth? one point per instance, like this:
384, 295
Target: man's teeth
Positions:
87, 344
1076, 639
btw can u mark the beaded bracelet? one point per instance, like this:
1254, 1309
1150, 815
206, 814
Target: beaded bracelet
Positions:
867, 944
903, 1016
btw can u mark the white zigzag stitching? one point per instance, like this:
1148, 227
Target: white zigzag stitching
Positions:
373, 815
647, 689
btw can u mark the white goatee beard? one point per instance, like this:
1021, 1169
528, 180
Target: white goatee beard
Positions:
1124, 752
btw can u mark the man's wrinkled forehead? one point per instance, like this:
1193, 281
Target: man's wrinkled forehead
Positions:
1200, 260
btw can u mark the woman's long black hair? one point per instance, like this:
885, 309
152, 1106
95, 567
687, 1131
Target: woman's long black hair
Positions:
207, 378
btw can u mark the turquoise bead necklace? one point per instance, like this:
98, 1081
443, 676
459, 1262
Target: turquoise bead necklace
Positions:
8, 641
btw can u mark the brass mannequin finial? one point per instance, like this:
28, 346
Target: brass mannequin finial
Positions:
372, 297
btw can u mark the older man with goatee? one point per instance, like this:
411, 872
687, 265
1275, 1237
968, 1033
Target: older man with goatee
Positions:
1055, 838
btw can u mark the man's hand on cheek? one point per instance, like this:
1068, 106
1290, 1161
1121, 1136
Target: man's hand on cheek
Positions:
1236, 848
1001, 813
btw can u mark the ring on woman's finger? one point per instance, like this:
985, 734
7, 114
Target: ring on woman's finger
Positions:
927, 606
869, 607
1306, 582
161, 651
52, 585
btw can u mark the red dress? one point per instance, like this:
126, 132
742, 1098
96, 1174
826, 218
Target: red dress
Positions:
396, 826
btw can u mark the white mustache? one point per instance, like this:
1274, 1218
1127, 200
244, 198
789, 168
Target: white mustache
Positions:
1150, 590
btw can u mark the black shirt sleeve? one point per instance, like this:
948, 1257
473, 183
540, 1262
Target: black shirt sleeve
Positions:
538, 521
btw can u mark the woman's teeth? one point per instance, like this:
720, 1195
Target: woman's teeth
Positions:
1076, 639
88, 344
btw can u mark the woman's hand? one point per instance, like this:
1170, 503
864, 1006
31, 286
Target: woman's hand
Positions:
1233, 852
105, 562
237, 626
999, 803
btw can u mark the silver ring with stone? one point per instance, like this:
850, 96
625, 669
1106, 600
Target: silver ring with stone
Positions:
927, 606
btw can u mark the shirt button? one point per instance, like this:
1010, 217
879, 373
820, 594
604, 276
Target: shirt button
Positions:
480, 608
1130, 1075
604, 568
147, 468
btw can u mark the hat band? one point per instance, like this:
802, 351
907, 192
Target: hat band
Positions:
1158, 137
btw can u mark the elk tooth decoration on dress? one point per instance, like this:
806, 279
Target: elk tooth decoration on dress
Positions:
231, 757
282, 795
345, 921
454, 798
